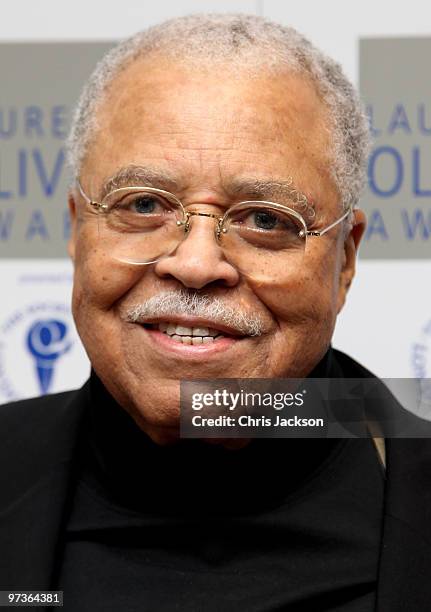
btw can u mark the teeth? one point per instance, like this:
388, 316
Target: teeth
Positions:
200, 331
189, 335
192, 340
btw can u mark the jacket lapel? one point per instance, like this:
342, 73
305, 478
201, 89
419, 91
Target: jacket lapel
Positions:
404, 573
404, 579
31, 518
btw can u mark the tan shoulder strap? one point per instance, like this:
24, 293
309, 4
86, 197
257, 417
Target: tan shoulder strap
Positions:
379, 443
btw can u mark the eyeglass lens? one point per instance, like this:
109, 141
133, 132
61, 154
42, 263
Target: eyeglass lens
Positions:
260, 239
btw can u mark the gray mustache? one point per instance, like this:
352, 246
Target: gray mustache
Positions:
173, 303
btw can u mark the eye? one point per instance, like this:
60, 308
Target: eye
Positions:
270, 221
265, 228
144, 204
140, 204
264, 220
141, 210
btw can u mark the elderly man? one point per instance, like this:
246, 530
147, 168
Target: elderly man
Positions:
217, 164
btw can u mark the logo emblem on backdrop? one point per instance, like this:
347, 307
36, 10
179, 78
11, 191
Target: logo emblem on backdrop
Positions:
421, 353
47, 341
35, 345
421, 361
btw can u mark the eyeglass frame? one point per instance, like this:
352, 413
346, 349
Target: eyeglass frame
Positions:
219, 229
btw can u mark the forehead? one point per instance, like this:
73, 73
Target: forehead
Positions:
208, 127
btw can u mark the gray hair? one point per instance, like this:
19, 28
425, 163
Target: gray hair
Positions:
191, 302
243, 42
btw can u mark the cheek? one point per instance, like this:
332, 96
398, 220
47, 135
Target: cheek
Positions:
305, 298
100, 280
304, 308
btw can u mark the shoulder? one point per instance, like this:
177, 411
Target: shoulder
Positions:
407, 456
40, 432
350, 368
37, 405
37, 414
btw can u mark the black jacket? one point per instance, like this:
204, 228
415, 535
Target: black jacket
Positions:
38, 440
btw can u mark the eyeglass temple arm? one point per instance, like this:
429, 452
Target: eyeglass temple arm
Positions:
82, 192
326, 229
89, 201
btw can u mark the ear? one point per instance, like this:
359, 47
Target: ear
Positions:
73, 229
350, 251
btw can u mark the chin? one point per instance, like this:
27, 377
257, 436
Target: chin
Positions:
162, 426
157, 410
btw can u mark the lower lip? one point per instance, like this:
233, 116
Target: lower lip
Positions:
191, 350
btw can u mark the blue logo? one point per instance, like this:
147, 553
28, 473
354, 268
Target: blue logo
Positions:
421, 353
47, 341
39, 351
421, 363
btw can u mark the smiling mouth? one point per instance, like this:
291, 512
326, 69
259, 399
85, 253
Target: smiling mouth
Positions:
189, 335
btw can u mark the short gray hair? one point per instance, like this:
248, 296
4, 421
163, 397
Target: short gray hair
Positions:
244, 42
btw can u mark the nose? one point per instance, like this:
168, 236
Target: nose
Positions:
198, 260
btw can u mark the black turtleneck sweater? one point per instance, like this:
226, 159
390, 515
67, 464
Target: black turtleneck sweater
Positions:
282, 524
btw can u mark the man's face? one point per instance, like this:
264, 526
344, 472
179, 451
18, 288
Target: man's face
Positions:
207, 132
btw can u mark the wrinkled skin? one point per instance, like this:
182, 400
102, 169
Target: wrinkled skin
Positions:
207, 129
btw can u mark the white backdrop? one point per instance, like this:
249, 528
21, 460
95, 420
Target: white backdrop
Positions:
390, 303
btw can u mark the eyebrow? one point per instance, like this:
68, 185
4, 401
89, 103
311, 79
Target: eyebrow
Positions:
281, 190
135, 176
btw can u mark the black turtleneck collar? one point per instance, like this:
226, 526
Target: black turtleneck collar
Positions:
124, 465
